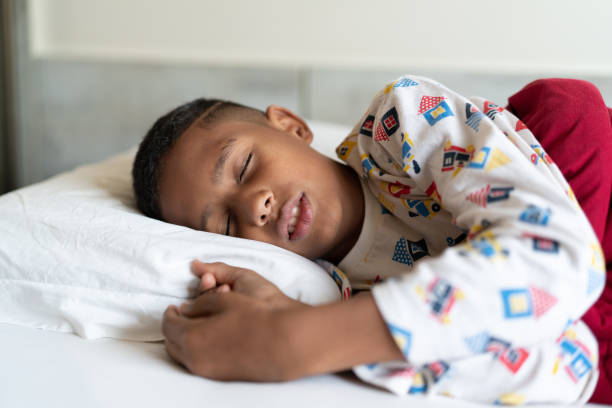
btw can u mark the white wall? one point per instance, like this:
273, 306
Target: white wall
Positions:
92, 75
515, 36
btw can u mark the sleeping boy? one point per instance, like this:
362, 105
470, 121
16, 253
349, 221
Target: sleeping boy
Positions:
479, 259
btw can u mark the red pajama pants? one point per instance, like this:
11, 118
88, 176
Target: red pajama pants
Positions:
574, 126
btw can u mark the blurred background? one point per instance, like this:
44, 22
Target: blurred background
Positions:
83, 79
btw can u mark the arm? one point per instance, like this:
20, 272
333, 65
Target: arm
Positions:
355, 333
251, 331
490, 308
530, 261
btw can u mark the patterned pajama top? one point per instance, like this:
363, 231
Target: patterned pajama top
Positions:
480, 260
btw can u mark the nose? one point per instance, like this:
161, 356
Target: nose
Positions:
259, 207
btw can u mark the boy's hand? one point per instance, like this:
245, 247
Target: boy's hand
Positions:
219, 277
230, 336
233, 336
244, 328
233, 329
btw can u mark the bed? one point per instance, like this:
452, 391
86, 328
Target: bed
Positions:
80, 319
45, 368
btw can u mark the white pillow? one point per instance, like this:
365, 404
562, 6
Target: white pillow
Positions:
76, 255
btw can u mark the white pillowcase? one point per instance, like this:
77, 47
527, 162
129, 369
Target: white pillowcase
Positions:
76, 255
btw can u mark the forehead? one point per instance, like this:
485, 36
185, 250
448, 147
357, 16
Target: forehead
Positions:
194, 149
193, 142
182, 169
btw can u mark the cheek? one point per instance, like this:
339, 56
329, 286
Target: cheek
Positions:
309, 248
257, 234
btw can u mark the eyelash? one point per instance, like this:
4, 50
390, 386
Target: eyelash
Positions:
246, 164
244, 168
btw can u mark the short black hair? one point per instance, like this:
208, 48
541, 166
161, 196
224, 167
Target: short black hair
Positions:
164, 133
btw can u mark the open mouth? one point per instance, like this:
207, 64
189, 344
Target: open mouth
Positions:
295, 213
299, 219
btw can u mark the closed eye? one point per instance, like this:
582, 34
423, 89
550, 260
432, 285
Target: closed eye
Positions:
246, 165
244, 169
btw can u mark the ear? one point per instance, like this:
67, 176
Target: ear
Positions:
287, 121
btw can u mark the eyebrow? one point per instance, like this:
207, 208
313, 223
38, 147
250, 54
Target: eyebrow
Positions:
225, 153
226, 150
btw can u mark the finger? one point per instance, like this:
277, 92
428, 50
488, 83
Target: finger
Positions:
217, 289
222, 272
230, 275
199, 268
204, 305
207, 281
222, 289
172, 323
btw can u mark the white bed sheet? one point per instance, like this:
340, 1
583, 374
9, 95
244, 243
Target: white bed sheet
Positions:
51, 369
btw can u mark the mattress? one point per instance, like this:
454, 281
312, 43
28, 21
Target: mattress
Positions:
52, 369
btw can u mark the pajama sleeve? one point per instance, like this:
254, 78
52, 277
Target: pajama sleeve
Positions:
530, 263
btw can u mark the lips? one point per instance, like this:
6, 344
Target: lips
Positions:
296, 215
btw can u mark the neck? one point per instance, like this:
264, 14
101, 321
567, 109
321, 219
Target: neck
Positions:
353, 214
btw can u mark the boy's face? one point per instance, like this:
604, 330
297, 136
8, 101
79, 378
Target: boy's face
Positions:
262, 181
